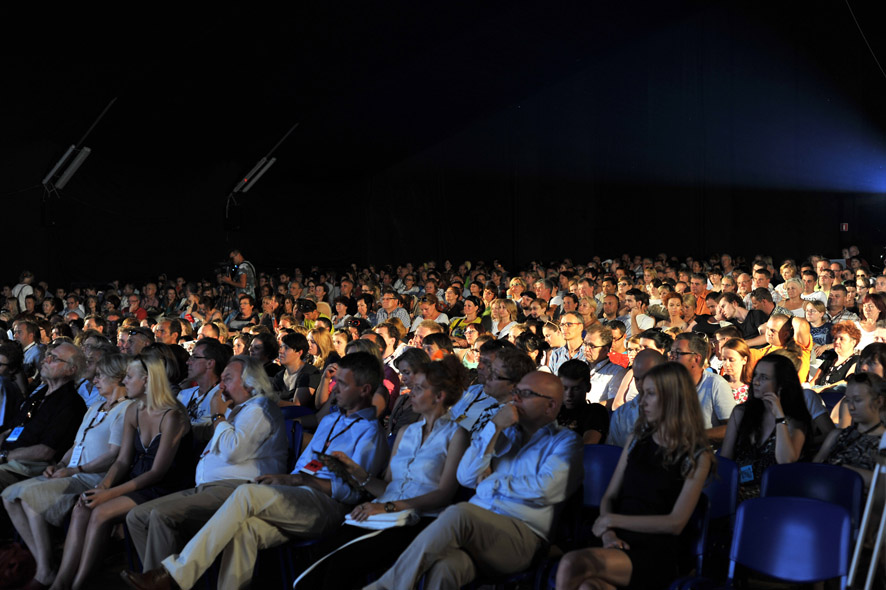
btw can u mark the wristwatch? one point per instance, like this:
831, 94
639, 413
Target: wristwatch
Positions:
216, 417
389, 507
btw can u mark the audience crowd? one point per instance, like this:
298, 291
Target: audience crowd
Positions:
445, 408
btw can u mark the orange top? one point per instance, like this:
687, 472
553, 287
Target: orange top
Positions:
700, 307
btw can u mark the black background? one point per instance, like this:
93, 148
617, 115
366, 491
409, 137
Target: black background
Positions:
513, 130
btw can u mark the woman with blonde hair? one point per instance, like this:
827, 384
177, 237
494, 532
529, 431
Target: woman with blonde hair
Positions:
793, 287
652, 494
320, 346
690, 304
504, 317
787, 270
587, 309
35, 504
154, 460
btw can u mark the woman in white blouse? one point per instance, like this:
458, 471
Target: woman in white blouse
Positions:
420, 478
35, 504
504, 317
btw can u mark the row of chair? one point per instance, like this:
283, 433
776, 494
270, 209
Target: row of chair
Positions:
800, 530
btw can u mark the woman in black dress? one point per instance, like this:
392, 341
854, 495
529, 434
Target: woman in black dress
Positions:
652, 494
153, 453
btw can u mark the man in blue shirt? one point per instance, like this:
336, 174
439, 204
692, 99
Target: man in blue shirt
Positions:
311, 501
522, 464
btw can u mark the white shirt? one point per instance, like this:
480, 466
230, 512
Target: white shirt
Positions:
717, 400
417, 467
199, 407
606, 377
528, 476
251, 443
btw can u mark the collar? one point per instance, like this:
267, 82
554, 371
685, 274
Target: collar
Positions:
365, 414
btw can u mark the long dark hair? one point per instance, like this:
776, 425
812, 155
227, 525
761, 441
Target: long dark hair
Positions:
790, 392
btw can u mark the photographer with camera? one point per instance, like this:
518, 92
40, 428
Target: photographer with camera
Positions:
244, 275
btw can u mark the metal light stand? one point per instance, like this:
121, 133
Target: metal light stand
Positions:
879, 473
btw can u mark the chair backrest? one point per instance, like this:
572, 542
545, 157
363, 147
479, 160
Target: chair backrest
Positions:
290, 412
695, 536
792, 539
722, 490
294, 433
599, 463
818, 481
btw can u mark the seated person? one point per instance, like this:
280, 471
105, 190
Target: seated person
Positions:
205, 366
247, 440
771, 427
668, 453
309, 502
856, 447
264, 348
589, 421
46, 422
299, 379
155, 451
522, 464
35, 504
419, 478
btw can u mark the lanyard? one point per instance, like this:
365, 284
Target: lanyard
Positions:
33, 403
465, 413
330, 438
194, 403
98, 419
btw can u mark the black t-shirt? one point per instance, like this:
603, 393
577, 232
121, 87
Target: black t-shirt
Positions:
308, 376
751, 324
585, 417
54, 420
704, 326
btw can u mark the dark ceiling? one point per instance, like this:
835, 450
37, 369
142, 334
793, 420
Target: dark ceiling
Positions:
203, 94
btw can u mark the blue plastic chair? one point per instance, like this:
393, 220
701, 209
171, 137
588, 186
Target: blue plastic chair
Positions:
722, 490
599, 464
290, 412
294, 433
694, 538
818, 481
792, 539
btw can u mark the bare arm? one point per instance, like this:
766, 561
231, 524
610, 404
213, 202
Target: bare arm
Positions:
757, 340
622, 392
728, 448
174, 429
672, 523
826, 447
592, 437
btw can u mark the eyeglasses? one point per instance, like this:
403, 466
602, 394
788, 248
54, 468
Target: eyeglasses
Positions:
53, 358
567, 324
677, 353
587, 344
527, 393
197, 357
497, 377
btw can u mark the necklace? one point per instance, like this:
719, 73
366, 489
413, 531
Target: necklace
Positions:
872, 428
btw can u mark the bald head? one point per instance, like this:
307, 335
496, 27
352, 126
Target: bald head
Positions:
540, 407
645, 361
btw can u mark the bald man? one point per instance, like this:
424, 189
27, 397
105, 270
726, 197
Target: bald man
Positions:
522, 464
623, 419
